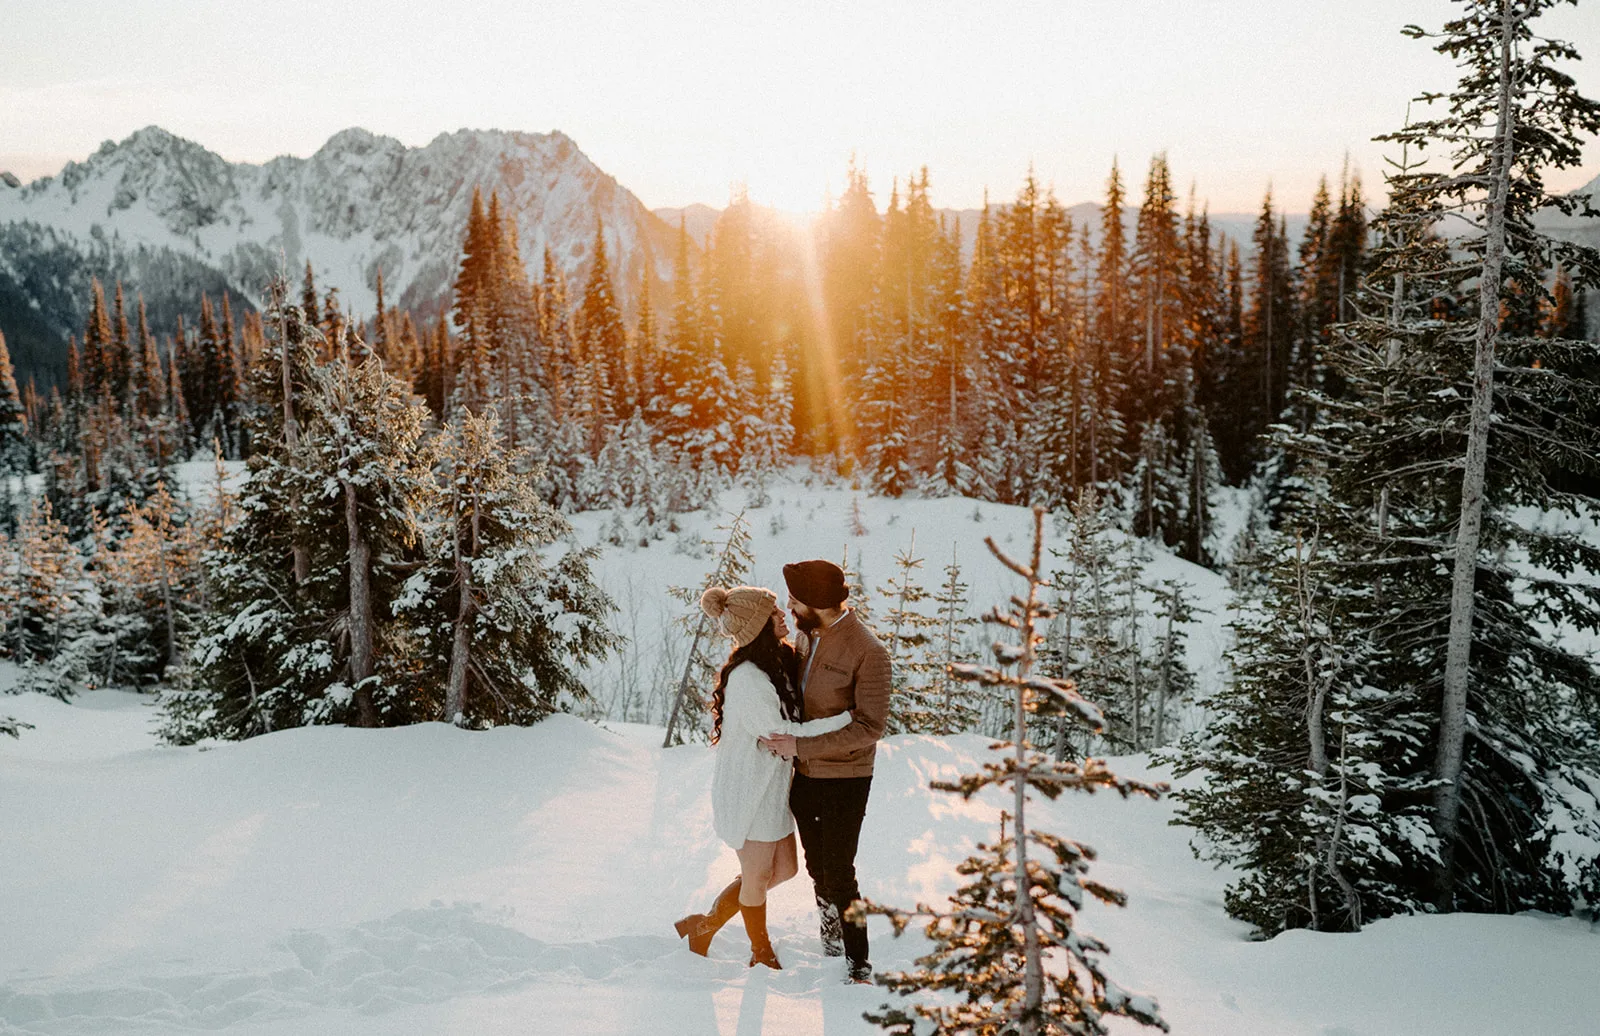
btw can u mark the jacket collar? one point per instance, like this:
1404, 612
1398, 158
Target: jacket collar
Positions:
843, 621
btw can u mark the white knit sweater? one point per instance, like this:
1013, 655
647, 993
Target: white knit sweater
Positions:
750, 786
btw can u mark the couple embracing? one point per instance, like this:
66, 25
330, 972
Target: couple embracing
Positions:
796, 727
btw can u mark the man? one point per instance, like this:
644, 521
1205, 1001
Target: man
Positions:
845, 667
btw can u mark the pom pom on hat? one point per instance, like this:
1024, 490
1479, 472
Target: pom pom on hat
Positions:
714, 601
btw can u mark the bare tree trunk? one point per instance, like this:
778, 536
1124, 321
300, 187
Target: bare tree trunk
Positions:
461, 643
460, 651
1033, 968
683, 683
1066, 659
1317, 687
1458, 653
1164, 682
262, 716
166, 599
1134, 689
291, 435
361, 633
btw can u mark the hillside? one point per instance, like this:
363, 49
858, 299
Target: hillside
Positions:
428, 879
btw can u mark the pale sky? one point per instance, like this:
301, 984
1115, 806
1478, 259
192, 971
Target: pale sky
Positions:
680, 101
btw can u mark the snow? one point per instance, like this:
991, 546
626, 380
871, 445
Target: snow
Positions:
807, 516
360, 203
428, 879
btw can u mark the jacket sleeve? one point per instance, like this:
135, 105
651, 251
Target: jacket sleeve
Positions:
751, 708
870, 715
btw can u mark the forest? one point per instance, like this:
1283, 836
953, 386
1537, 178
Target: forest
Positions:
1406, 394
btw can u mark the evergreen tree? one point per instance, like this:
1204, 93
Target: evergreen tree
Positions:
1017, 910
602, 339
51, 609
362, 444
918, 704
502, 629
734, 560
15, 448
471, 310
308, 298
150, 582
1094, 635
1506, 690
1268, 327
950, 646
1305, 760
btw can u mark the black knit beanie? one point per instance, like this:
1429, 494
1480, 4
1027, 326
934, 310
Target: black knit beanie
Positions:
818, 584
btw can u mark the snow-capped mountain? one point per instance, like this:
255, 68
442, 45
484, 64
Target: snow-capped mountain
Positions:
170, 218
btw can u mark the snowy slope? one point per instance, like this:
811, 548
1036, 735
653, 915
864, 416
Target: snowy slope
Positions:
521, 880
433, 880
806, 516
156, 208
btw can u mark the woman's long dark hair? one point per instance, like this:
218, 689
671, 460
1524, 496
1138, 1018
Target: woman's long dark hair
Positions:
778, 659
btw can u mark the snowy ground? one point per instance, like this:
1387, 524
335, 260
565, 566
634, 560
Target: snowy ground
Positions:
807, 517
428, 880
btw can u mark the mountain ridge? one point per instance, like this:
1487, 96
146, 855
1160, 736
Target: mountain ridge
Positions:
171, 218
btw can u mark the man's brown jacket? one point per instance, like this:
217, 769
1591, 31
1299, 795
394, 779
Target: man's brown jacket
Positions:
845, 667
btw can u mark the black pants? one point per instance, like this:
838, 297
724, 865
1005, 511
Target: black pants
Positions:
828, 812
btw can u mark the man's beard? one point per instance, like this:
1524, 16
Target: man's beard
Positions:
807, 621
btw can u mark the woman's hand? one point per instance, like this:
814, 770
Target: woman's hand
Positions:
781, 745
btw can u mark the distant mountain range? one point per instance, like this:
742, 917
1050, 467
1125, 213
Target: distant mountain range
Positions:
171, 219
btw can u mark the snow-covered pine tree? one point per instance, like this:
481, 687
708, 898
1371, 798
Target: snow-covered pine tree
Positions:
51, 610
262, 657
917, 706
1094, 637
857, 597
734, 561
1310, 785
498, 629
1515, 705
1174, 681
362, 447
1158, 488
16, 448
149, 579
884, 423
1018, 910
950, 645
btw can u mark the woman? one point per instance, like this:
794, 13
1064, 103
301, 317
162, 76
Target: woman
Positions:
756, 694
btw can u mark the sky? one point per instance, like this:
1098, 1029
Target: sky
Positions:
681, 101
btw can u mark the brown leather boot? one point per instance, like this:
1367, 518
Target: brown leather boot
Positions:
755, 923
701, 928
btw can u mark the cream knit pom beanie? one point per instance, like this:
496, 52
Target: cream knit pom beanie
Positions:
739, 612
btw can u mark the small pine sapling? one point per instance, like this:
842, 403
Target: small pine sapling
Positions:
858, 527
857, 588
954, 623
1017, 912
1174, 681
917, 701
734, 559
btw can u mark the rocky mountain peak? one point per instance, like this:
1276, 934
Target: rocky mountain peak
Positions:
171, 218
